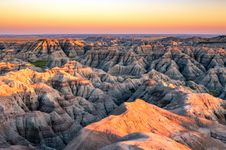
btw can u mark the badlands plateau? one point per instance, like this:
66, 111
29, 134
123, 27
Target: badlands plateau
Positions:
113, 93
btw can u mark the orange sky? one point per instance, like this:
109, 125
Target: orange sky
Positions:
112, 16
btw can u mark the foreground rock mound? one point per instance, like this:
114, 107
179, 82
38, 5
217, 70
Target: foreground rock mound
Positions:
134, 124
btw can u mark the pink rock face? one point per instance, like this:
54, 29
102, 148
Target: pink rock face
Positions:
84, 92
137, 123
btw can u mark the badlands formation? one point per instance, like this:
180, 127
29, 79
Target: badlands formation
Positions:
113, 93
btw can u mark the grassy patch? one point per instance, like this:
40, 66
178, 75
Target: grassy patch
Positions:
214, 93
40, 63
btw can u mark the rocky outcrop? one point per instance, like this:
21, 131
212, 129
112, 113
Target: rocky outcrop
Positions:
44, 49
177, 131
13, 66
47, 109
200, 105
215, 80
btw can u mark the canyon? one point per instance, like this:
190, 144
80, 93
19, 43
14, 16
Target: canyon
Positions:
118, 93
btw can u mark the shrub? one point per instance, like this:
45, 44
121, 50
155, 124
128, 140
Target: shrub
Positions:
40, 63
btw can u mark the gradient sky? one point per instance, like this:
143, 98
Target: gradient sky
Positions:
112, 16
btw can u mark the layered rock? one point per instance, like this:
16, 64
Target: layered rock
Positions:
133, 125
46, 107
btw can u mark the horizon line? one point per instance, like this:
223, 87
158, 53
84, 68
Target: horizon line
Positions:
29, 34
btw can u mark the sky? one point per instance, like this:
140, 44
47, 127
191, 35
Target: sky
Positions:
112, 16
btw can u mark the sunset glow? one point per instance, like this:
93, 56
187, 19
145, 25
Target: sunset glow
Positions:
112, 16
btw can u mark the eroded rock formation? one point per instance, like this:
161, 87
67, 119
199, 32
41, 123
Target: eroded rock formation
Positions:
145, 126
52, 90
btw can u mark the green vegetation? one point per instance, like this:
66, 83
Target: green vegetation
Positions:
40, 63
215, 93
